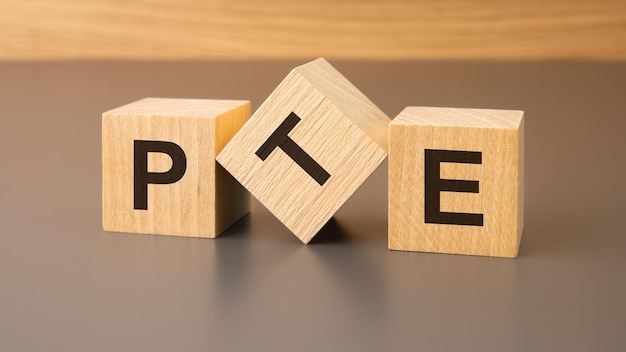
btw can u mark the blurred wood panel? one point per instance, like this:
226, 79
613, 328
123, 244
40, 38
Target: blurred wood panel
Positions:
349, 29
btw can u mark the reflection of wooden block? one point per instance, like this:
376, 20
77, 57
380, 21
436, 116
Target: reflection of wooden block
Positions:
308, 147
159, 174
456, 181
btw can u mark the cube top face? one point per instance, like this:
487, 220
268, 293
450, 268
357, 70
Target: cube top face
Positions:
306, 150
434, 163
347, 98
172, 107
456, 117
191, 205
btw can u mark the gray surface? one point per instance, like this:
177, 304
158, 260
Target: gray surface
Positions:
68, 286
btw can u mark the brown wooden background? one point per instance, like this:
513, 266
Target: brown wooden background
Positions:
340, 29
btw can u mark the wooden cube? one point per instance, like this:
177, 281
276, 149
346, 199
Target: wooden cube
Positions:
159, 174
309, 146
456, 181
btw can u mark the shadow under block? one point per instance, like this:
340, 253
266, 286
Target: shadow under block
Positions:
185, 195
309, 146
456, 181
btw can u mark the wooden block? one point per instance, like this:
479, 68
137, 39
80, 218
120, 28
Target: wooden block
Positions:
308, 147
159, 174
456, 181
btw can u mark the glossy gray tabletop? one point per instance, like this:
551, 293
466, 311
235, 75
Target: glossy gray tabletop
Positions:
66, 285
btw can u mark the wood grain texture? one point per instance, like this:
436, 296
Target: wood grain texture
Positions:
279, 29
499, 136
340, 129
206, 200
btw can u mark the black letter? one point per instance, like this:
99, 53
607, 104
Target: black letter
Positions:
143, 177
281, 140
433, 184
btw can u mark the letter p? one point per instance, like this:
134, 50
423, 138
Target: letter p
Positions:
143, 177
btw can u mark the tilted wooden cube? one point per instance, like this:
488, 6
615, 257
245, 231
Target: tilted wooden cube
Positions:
159, 174
456, 181
309, 146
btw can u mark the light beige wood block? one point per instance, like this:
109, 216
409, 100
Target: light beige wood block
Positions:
149, 187
456, 181
308, 147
